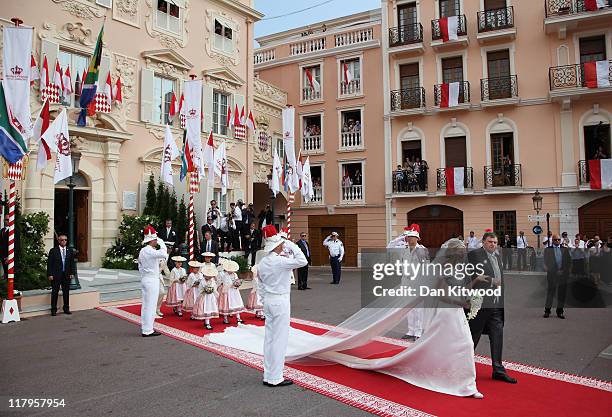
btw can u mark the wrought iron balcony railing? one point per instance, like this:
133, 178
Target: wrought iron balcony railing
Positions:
405, 35
503, 176
584, 176
564, 7
436, 30
468, 179
495, 19
498, 88
407, 98
406, 180
570, 76
464, 92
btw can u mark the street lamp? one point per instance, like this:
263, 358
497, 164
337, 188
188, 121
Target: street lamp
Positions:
537, 206
75, 158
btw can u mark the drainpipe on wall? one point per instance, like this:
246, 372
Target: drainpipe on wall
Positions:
386, 117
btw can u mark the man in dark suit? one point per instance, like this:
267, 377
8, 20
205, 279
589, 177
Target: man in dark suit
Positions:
303, 271
558, 262
490, 318
210, 245
253, 236
59, 271
506, 248
168, 234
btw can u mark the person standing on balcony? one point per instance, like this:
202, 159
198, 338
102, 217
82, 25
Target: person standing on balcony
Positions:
336, 254
506, 249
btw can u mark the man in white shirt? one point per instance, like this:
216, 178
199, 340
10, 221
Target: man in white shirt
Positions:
521, 246
238, 220
275, 273
473, 242
148, 265
336, 254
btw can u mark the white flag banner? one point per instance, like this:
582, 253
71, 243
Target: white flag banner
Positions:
291, 176
307, 188
209, 159
277, 173
16, 69
170, 153
221, 167
192, 108
57, 134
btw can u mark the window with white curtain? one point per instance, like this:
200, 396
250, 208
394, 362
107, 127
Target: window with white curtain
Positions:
223, 37
162, 94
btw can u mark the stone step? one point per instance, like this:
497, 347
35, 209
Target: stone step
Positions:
119, 295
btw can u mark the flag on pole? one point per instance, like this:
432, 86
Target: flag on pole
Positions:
277, 172
58, 78
348, 74
40, 127
449, 27
181, 111
117, 94
454, 180
307, 187
90, 81
597, 74
291, 176
449, 95
12, 142
34, 73
312, 81
221, 167
186, 162
17, 62
229, 117
600, 172
57, 134
67, 83
170, 153
592, 5
107, 90
193, 122
209, 158
300, 171
172, 111
44, 78
242, 117
251, 121
236, 116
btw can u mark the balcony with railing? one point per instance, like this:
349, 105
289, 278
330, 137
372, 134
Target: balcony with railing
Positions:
409, 180
317, 195
408, 99
464, 93
312, 143
351, 88
468, 179
310, 94
565, 79
307, 46
354, 37
496, 24
503, 176
267, 55
351, 140
561, 15
584, 176
406, 36
352, 194
437, 34
499, 88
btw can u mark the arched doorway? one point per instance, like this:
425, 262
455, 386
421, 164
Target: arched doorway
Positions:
596, 217
81, 213
438, 223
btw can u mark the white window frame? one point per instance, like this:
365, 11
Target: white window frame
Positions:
361, 109
437, 8
302, 116
401, 3
342, 162
279, 140
400, 62
302, 75
73, 70
105, 3
221, 200
167, 29
587, 34
441, 56
484, 50
173, 81
341, 75
225, 24
322, 166
222, 116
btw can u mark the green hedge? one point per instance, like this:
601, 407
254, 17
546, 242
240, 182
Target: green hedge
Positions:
128, 242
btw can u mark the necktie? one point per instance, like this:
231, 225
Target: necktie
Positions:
208, 246
63, 259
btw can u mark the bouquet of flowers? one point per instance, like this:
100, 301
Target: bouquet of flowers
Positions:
237, 283
475, 304
209, 289
183, 279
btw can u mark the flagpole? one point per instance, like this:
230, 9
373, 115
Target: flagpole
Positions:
194, 187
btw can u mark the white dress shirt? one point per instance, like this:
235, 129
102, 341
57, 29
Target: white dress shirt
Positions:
473, 242
521, 242
336, 247
237, 214
148, 260
275, 272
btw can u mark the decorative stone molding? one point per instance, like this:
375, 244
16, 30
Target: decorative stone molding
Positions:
223, 78
266, 109
267, 92
127, 11
167, 39
221, 57
167, 62
84, 9
77, 35
76, 32
261, 173
127, 68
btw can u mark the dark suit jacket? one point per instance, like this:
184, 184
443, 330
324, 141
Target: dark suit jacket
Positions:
551, 263
479, 256
54, 263
303, 245
210, 228
214, 246
255, 239
169, 237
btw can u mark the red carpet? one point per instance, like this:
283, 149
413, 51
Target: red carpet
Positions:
539, 392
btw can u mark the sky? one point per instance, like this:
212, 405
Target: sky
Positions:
323, 10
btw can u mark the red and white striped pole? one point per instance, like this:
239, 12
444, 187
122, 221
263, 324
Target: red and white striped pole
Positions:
11, 239
290, 201
194, 187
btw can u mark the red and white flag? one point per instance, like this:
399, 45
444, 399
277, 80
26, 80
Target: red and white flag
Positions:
117, 94
454, 180
58, 79
221, 167
236, 117
77, 85
251, 121
44, 78
242, 117
348, 74
449, 27
171, 151
597, 74
314, 84
300, 169
172, 110
181, 110
600, 172
40, 127
591, 5
108, 89
67, 82
34, 73
229, 116
209, 158
449, 94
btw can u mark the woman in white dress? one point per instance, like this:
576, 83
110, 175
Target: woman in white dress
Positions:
441, 360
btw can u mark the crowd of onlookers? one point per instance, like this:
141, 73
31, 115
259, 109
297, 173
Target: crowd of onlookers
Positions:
312, 130
351, 126
411, 176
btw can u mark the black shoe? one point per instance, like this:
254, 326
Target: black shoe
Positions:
53, 313
280, 384
499, 376
152, 334
308, 288
332, 282
410, 338
560, 314
67, 312
546, 314
240, 321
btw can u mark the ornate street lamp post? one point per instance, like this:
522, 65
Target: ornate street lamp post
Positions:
537, 206
75, 157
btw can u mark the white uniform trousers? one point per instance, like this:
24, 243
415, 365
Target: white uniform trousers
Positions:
277, 309
150, 292
415, 321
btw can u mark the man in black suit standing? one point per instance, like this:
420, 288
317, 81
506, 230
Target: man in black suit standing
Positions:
490, 318
211, 245
59, 271
254, 242
168, 234
557, 262
303, 271
507, 252
210, 227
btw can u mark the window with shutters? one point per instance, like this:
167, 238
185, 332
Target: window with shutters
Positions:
592, 49
221, 101
280, 148
221, 200
350, 76
162, 96
223, 37
168, 16
504, 223
452, 69
78, 64
449, 8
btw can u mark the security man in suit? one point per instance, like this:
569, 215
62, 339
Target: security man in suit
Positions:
303, 271
60, 272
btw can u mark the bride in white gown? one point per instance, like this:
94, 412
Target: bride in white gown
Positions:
441, 360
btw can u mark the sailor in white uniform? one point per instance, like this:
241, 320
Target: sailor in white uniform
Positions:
275, 272
148, 265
